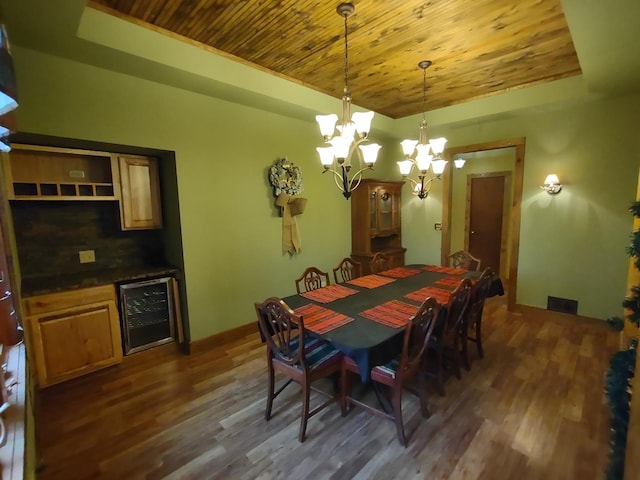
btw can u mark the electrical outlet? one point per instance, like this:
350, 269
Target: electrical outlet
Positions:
87, 256
437, 226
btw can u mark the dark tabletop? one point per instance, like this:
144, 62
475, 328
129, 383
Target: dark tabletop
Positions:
368, 342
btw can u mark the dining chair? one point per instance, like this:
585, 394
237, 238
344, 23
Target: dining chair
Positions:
380, 262
463, 259
312, 279
446, 341
300, 358
472, 328
347, 270
393, 377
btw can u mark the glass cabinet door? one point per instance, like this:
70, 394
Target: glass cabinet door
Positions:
385, 210
373, 210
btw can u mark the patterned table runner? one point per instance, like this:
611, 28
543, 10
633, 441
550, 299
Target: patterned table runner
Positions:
371, 281
320, 319
451, 282
442, 296
400, 272
329, 293
393, 313
447, 270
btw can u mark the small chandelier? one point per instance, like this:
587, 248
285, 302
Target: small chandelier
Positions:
423, 160
337, 157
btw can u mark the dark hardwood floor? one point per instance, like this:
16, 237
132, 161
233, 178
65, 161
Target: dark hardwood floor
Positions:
533, 408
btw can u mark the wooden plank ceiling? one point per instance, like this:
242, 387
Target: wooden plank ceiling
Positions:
478, 47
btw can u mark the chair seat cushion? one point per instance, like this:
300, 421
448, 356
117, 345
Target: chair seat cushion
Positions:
319, 353
386, 371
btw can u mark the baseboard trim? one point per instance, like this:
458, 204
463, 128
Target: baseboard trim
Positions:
524, 309
222, 338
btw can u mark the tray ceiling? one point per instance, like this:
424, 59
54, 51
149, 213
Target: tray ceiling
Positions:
478, 48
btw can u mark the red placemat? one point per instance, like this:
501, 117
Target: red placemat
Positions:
400, 272
442, 296
329, 293
447, 270
450, 282
321, 319
393, 313
371, 281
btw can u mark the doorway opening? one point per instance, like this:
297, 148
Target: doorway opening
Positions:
456, 230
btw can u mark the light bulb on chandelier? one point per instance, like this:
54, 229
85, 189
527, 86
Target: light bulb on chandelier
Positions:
352, 132
416, 152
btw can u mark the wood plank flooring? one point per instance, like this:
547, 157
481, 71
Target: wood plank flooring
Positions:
533, 408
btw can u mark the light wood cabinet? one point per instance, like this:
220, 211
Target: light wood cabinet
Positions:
72, 333
375, 222
140, 198
35, 172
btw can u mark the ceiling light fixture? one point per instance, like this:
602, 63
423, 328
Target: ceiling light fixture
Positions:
337, 157
423, 160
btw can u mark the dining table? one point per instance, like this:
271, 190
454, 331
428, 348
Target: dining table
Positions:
365, 317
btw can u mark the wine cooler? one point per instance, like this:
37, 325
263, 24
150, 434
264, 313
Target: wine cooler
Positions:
147, 314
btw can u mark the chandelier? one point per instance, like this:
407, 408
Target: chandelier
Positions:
351, 133
416, 152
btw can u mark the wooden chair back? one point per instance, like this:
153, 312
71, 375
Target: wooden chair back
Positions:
397, 374
456, 309
347, 270
472, 328
312, 279
299, 358
463, 259
416, 339
449, 332
380, 262
283, 332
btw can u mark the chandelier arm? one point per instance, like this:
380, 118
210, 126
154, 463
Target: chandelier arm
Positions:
357, 176
337, 177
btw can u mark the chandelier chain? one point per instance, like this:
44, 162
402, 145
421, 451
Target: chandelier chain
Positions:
424, 93
346, 55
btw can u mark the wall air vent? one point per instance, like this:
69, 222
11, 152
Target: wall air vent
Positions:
563, 305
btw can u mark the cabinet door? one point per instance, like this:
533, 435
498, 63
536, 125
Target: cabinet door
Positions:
387, 210
140, 199
69, 343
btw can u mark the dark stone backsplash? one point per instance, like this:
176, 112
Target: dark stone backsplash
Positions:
49, 235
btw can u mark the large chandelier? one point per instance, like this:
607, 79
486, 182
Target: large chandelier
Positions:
352, 132
416, 152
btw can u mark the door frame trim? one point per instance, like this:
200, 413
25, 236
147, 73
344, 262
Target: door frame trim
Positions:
518, 175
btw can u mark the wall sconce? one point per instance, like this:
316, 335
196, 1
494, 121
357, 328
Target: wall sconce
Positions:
551, 184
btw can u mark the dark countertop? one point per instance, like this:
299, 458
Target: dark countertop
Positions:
51, 284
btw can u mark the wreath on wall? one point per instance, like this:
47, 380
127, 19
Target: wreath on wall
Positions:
285, 177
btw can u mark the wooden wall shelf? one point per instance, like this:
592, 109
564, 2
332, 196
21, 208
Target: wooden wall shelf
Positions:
50, 173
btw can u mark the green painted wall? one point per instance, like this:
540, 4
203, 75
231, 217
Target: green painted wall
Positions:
572, 245
231, 230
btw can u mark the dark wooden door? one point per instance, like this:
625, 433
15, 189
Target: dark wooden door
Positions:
486, 208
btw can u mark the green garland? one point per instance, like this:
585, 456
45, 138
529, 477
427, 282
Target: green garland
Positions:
618, 393
622, 368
